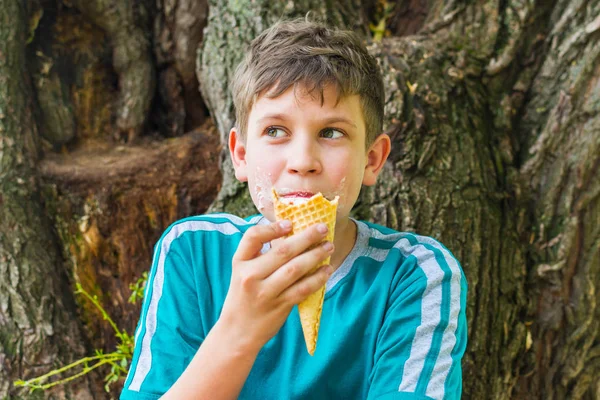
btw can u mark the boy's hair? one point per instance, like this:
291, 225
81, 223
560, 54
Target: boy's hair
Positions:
308, 53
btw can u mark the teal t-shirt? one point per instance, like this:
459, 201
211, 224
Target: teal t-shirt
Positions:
393, 324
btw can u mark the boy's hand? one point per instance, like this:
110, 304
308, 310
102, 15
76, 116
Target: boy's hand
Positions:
265, 287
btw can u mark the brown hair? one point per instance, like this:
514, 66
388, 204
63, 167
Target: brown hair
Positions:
308, 53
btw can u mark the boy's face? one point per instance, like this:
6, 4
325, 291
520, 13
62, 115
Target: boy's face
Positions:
300, 147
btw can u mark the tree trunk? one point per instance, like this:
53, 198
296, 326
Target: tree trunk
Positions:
108, 204
178, 33
95, 65
126, 24
481, 107
492, 106
111, 205
559, 160
38, 324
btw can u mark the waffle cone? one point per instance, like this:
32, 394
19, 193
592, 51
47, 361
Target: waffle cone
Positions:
315, 210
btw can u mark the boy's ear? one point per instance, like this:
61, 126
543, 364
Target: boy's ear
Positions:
376, 158
237, 151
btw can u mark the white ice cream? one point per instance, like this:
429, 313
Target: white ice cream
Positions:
294, 200
262, 188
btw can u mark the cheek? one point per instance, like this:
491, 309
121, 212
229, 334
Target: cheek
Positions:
348, 181
266, 164
261, 183
346, 169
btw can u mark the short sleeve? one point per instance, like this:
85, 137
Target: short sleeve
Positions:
424, 333
169, 331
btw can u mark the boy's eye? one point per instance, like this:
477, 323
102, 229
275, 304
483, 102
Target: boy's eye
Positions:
275, 132
331, 133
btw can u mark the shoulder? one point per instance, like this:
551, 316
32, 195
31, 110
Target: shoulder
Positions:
210, 225
223, 223
424, 332
417, 253
408, 243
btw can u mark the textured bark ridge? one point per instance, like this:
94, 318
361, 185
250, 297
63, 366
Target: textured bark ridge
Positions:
178, 31
560, 164
124, 21
95, 66
36, 305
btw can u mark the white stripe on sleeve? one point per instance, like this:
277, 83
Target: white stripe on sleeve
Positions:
145, 358
430, 311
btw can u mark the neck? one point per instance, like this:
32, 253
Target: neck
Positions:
345, 237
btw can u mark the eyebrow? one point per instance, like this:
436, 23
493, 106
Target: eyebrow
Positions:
283, 117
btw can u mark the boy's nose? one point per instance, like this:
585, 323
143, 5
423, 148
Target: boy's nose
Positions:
304, 161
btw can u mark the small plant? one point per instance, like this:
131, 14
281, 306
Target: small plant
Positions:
384, 11
137, 288
118, 359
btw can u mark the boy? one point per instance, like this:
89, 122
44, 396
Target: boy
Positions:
218, 319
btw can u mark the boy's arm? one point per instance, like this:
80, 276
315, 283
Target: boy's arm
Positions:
423, 338
218, 370
262, 292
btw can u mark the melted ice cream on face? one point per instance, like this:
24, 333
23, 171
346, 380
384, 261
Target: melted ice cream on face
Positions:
262, 188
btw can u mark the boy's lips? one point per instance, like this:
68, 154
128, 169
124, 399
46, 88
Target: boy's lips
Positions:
300, 193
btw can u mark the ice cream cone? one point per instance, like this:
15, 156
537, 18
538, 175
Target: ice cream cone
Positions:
316, 209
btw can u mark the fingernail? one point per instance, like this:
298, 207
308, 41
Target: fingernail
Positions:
327, 246
329, 269
322, 228
285, 224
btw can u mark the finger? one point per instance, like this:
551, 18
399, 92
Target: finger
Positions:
297, 268
276, 242
290, 247
255, 237
306, 286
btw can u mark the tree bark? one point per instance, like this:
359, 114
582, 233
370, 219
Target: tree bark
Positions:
178, 33
38, 325
559, 130
442, 180
124, 21
109, 205
481, 109
95, 66
492, 106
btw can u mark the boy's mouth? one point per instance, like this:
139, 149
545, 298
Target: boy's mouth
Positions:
299, 193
